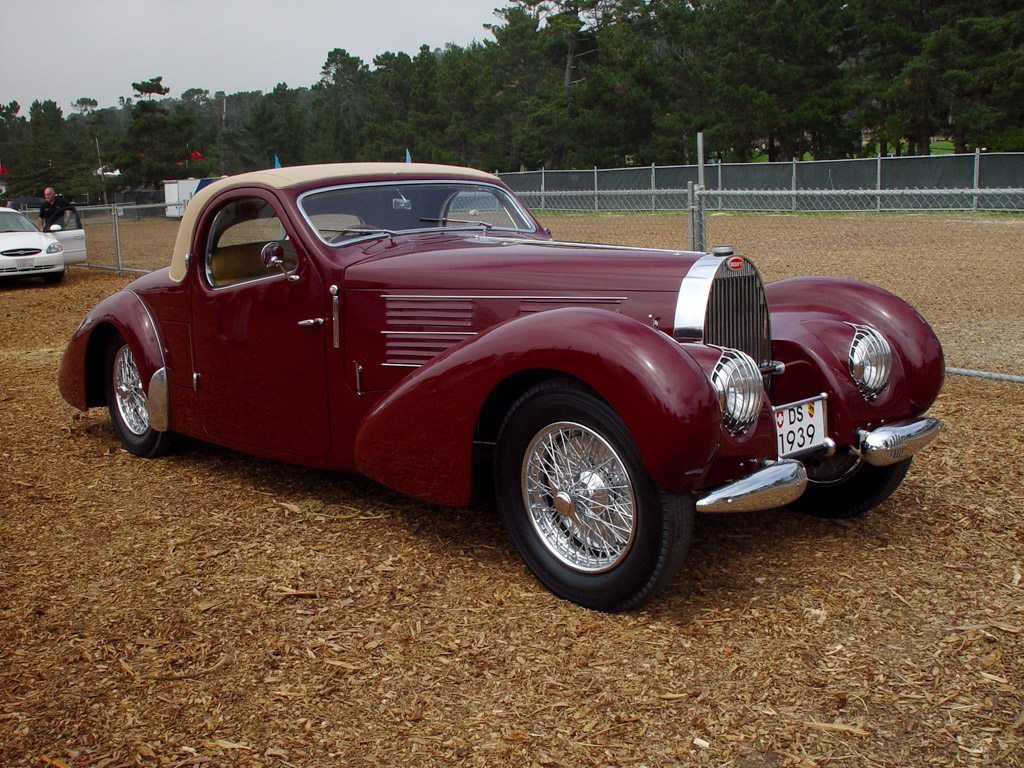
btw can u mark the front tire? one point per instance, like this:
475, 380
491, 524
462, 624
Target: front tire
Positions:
126, 401
841, 489
579, 505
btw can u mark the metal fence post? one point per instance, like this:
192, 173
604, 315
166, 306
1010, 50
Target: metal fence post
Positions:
878, 183
792, 186
117, 237
695, 215
700, 158
977, 176
653, 188
690, 211
699, 200
596, 206
542, 188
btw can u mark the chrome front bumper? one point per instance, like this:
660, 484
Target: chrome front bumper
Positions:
897, 441
784, 481
774, 486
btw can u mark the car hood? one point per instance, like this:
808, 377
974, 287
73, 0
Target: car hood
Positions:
9, 240
473, 262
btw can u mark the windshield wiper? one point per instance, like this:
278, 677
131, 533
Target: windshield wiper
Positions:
378, 231
445, 221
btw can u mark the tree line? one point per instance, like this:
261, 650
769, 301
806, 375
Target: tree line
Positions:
577, 84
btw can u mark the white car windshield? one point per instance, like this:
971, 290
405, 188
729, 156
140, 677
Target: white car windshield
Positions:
341, 214
12, 221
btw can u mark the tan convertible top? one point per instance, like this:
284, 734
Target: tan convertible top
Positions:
280, 178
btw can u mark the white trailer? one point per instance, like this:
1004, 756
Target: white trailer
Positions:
177, 193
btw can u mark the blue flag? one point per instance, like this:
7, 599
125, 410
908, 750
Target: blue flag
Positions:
408, 157
277, 162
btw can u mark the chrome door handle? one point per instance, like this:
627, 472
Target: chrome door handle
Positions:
311, 322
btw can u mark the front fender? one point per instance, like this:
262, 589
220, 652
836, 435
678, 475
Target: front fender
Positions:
810, 333
418, 439
81, 374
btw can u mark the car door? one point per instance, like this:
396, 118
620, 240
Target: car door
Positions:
72, 237
259, 342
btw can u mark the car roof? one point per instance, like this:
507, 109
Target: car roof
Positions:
301, 175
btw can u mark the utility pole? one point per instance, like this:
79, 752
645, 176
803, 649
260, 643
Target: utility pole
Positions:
103, 178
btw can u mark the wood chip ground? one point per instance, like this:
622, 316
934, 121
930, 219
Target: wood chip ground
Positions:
213, 609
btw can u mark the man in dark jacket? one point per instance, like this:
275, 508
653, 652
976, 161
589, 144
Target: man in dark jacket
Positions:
53, 210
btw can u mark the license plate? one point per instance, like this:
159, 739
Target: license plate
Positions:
799, 427
24, 263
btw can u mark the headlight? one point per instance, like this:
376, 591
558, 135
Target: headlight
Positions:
737, 382
870, 361
54, 247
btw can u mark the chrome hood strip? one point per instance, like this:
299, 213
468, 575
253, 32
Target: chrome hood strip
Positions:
692, 302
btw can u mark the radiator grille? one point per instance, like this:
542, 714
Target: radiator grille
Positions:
737, 313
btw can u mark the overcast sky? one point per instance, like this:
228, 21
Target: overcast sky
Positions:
100, 47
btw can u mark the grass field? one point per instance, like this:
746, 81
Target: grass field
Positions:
213, 609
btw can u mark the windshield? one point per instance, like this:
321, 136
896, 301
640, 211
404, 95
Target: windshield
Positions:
12, 221
346, 213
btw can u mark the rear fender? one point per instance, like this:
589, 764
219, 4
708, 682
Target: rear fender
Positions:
81, 376
419, 438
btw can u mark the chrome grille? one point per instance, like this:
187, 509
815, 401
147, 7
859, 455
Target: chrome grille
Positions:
21, 251
737, 312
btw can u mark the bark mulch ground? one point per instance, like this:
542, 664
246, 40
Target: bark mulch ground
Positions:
213, 609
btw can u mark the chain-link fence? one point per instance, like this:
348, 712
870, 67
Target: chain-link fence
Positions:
955, 254
128, 238
661, 188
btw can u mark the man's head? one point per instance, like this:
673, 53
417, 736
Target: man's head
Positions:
49, 194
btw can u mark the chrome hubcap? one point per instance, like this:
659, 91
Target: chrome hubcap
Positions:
579, 497
131, 400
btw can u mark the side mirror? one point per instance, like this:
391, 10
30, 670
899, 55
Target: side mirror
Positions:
272, 255
54, 228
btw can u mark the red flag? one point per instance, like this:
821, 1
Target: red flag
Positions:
195, 154
3, 170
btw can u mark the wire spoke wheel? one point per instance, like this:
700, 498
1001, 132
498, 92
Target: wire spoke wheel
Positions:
127, 403
128, 393
577, 500
579, 497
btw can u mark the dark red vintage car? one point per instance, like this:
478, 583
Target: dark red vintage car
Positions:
416, 324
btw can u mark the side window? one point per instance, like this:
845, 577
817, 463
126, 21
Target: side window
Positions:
237, 236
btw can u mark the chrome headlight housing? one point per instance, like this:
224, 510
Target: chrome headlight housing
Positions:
54, 247
870, 361
739, 387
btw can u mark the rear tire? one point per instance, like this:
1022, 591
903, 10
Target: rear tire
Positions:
126, 401
579, 505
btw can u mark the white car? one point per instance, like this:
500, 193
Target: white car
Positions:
27, 252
